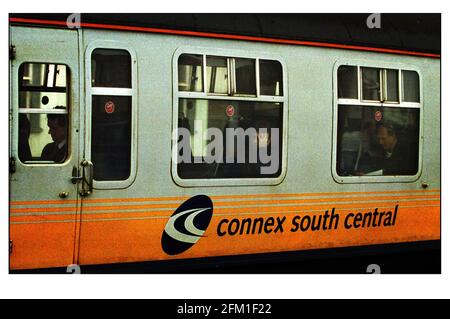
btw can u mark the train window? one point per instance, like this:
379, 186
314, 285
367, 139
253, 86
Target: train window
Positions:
271, 77
111, 137
217, 75
111, 119
380, 138
410, 86
219, 143
43, 113
368, 146
190, 73
245, 76
243, 98
348, 82
391, 85
111, 68
371, 89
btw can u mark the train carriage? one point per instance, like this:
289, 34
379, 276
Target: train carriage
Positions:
131, 138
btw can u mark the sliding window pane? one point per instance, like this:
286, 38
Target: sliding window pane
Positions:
245, 77
392, 85
348, 82
190, 74
271, 77
111, 68
370, 84
411, 86
217, 75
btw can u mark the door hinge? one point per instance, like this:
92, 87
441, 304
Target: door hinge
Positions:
10, 246
12, 52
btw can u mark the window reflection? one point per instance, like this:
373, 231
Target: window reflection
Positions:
111, 68
392, 85
348, 82
245, 76
377, 141
217, 75
190, 74
370, 84
410, 86
199, 116
271, 77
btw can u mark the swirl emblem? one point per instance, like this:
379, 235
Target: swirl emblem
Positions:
187, 225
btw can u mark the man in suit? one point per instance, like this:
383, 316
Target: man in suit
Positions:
56, 151
399, 158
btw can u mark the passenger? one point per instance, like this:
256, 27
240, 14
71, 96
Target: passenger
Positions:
57, 150
370, 151
398, 157
24, 136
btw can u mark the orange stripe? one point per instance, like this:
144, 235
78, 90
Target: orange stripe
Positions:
43, 202
236, 203
228, 37
120, 215
326, 194
213, 197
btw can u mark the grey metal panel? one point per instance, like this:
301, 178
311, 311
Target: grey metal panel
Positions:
310, 80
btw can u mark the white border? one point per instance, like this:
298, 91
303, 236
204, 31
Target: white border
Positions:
229, 286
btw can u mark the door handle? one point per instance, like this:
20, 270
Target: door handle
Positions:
75, 176
87, 184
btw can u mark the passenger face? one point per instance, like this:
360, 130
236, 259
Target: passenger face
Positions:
57, 131
387, 141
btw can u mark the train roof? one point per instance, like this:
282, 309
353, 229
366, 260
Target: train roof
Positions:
409, 33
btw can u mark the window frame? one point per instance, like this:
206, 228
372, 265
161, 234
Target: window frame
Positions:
68, 112
232, 53
390, 104
132, 92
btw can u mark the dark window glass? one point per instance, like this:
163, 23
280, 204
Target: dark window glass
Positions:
411, 86
370, 84
254, 142
111, 68
245, 77
392, 85
43, 117
271, 77
348, 82
111, 137
190, 73
377, 141
217, 75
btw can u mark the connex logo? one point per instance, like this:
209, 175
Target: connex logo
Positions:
187, 225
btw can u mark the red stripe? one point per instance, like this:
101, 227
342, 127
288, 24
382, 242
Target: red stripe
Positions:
226, 36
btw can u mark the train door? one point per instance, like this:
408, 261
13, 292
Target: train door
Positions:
110, 150
44, 147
